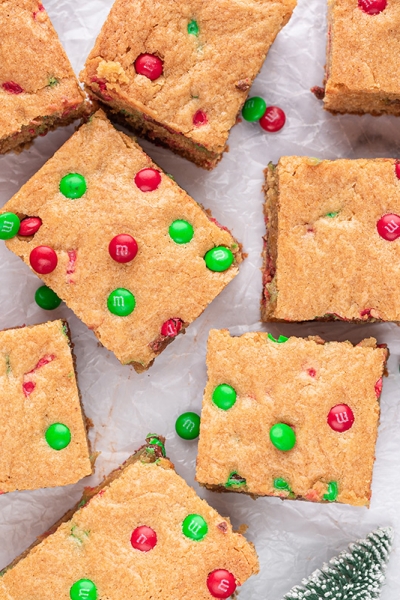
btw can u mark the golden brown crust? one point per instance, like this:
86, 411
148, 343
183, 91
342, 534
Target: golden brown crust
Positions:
205, 72
95, 543
26, 460
32, 57
331, 266
168, 280
297, 383
360, 81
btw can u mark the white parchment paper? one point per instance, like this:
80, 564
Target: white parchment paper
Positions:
292, 538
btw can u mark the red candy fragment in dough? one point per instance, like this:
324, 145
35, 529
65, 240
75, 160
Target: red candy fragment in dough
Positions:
40, 9
29, 226
340, 418
12, 87
200, 118
372, 7
102, 83
273, 119
43, 259
312, 372
28, 388
388, 227
143, 538
123, 248
221, 583
71, 266
378, 387
148, 180
397, 170
171, 328
28, 385
149, 65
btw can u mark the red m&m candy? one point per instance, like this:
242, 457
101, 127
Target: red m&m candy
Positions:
397, 170
171, 328
43, 259
388, 227
123, 248
340, 418
221, 583
200, 118
372, 7
273, 120
29, 226
12, 87
148, 180
149, 65
143, 538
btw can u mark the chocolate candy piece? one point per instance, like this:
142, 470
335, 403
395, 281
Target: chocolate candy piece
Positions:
149, 65
332, 493
254, 108
195, 527
181, 231
200, 118
121, 302
221, 583
187, 426
273, 119
388, 227
340, 418
224, 396
143, 538
218, 259
281, 484
155, 441
43, 260
46, 298
372, 7
58, 436
29, 226
282, 437
73, 186
123, 248
171, 328
148, 180
83, 589
235, 480
9, 225
281, 339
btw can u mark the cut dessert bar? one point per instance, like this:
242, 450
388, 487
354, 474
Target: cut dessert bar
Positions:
38, 88
42, 427
290, 417
361, 67
143, 534
331, 248
179, 72
121, 243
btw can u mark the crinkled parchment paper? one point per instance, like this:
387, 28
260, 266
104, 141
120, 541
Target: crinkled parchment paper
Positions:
292, 538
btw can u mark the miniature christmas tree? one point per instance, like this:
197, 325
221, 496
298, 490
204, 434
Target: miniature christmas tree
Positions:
356, 574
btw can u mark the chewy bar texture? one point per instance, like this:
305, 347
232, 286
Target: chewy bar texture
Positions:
38, 88
201, 58
135, 308
42, 428
357, 79
331, 248
294, 418
143, 534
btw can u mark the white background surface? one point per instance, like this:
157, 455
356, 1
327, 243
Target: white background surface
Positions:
292, 538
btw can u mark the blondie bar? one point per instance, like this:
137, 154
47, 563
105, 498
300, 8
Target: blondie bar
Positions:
42, 427
143, 534
38, 88
120, 242
179, 72
294, 418
358, 80
331, 248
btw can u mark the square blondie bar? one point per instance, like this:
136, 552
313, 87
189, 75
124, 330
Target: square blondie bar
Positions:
358, 80
143, 534
38, 88
179, 72
121, 243
42, 427
294, 418
332, 245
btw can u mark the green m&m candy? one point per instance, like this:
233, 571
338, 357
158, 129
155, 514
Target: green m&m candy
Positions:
218, 259
224, 396
282, 436
121, 302
235, 480
9, 225
193, 28
281, 484
73, 186
58, 436
181, 231
154, 441
254, 109
195, 527
187, 426
46, 298
280, 340
84, 589
332, 493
